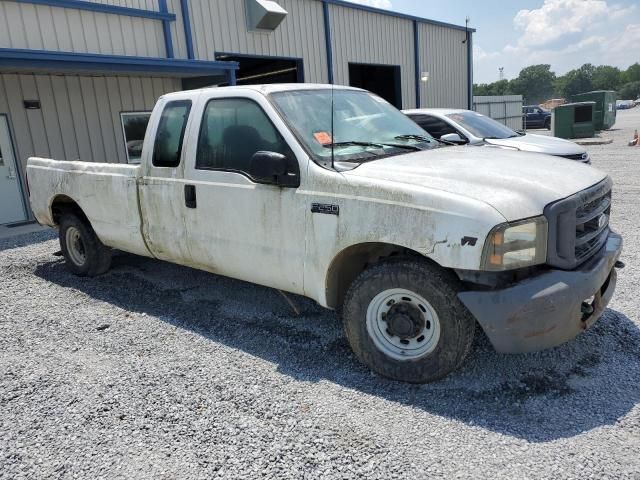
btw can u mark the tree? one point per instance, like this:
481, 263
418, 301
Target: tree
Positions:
629, 91
632, 74
534, 83
575, 81
500, 87
607, 78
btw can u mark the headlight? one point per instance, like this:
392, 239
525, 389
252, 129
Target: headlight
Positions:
516, 245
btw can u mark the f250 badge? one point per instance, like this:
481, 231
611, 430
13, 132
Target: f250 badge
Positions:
325, 208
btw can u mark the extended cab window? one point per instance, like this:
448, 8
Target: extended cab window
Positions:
232, 131
170, 134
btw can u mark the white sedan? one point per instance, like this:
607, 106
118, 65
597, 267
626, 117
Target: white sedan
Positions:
468, 127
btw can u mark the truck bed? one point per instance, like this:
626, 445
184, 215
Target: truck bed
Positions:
106, 192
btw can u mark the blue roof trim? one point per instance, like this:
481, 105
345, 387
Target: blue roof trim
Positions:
186, 20
166, 30
389, 13
97, 63
104, 8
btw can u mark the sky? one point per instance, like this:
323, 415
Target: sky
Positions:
516, 33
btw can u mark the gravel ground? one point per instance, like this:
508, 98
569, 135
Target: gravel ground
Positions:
158, 371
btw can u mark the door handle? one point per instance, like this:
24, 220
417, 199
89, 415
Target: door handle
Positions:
190, 196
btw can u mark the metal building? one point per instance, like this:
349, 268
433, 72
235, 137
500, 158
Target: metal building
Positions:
79, 77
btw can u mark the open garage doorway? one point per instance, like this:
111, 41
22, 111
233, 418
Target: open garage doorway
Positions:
383, 80
256, 70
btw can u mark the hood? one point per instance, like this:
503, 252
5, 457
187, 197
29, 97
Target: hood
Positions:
517, 185
540, 144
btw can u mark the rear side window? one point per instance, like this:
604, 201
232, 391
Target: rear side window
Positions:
170, 135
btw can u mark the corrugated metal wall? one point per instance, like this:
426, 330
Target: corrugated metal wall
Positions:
79, 116
221, 26
444, 56
506, 109
366, 37
41, 27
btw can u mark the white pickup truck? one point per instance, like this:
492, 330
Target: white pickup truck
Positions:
332, 193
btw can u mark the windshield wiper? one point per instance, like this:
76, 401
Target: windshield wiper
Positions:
371, 144
354, 143
412, 136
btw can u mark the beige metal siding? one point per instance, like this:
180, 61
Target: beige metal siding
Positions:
506, 109
79, 116
221, 26
41, 27
365, 37
444, 56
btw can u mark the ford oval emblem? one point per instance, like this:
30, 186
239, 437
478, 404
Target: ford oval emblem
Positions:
603, 220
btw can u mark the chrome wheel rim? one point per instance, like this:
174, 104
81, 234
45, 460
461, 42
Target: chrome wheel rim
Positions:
75, 246
402, 324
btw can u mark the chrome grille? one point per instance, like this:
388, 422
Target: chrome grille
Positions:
579, 225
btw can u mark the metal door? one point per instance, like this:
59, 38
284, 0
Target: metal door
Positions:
11, 204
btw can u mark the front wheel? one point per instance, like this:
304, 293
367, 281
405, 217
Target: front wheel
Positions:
403, 320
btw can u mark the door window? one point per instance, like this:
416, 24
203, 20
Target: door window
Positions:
434, 126
168, 144
232, 131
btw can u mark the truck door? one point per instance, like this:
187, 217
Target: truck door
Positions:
161, 188
237, 226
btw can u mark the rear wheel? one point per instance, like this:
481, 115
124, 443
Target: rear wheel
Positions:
83, 251
403, 320
547, 124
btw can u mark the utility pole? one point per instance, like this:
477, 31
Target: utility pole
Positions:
501, 70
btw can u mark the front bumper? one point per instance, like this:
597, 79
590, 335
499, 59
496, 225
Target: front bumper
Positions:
547, 310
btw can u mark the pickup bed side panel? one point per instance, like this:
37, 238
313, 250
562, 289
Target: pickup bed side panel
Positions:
106, 193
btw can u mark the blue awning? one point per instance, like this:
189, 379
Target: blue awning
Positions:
43, 61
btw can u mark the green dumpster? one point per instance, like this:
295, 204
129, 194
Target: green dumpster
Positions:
605, 114
574, 120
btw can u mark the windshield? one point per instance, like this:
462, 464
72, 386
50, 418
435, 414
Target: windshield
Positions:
364, 126
480, 126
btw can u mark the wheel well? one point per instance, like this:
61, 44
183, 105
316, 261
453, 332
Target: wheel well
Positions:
62, 205
353, 260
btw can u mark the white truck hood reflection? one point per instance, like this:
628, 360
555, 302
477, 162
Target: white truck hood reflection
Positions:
541, 144
518, 185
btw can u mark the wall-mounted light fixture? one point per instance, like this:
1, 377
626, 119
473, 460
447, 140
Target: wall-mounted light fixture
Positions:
424, 77
31, 104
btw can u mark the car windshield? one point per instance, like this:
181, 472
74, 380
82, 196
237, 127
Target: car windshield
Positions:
363, 126
480, 126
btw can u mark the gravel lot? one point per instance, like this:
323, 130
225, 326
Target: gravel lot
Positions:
159, 371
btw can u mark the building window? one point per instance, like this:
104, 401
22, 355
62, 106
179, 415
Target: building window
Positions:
134, 126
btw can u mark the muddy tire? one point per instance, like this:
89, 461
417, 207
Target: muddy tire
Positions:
404, 321
84, 253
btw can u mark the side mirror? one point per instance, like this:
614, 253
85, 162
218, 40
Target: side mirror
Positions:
453, 138
268, 167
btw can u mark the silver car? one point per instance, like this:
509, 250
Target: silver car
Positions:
467, 127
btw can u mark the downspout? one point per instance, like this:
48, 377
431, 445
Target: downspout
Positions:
328, 40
